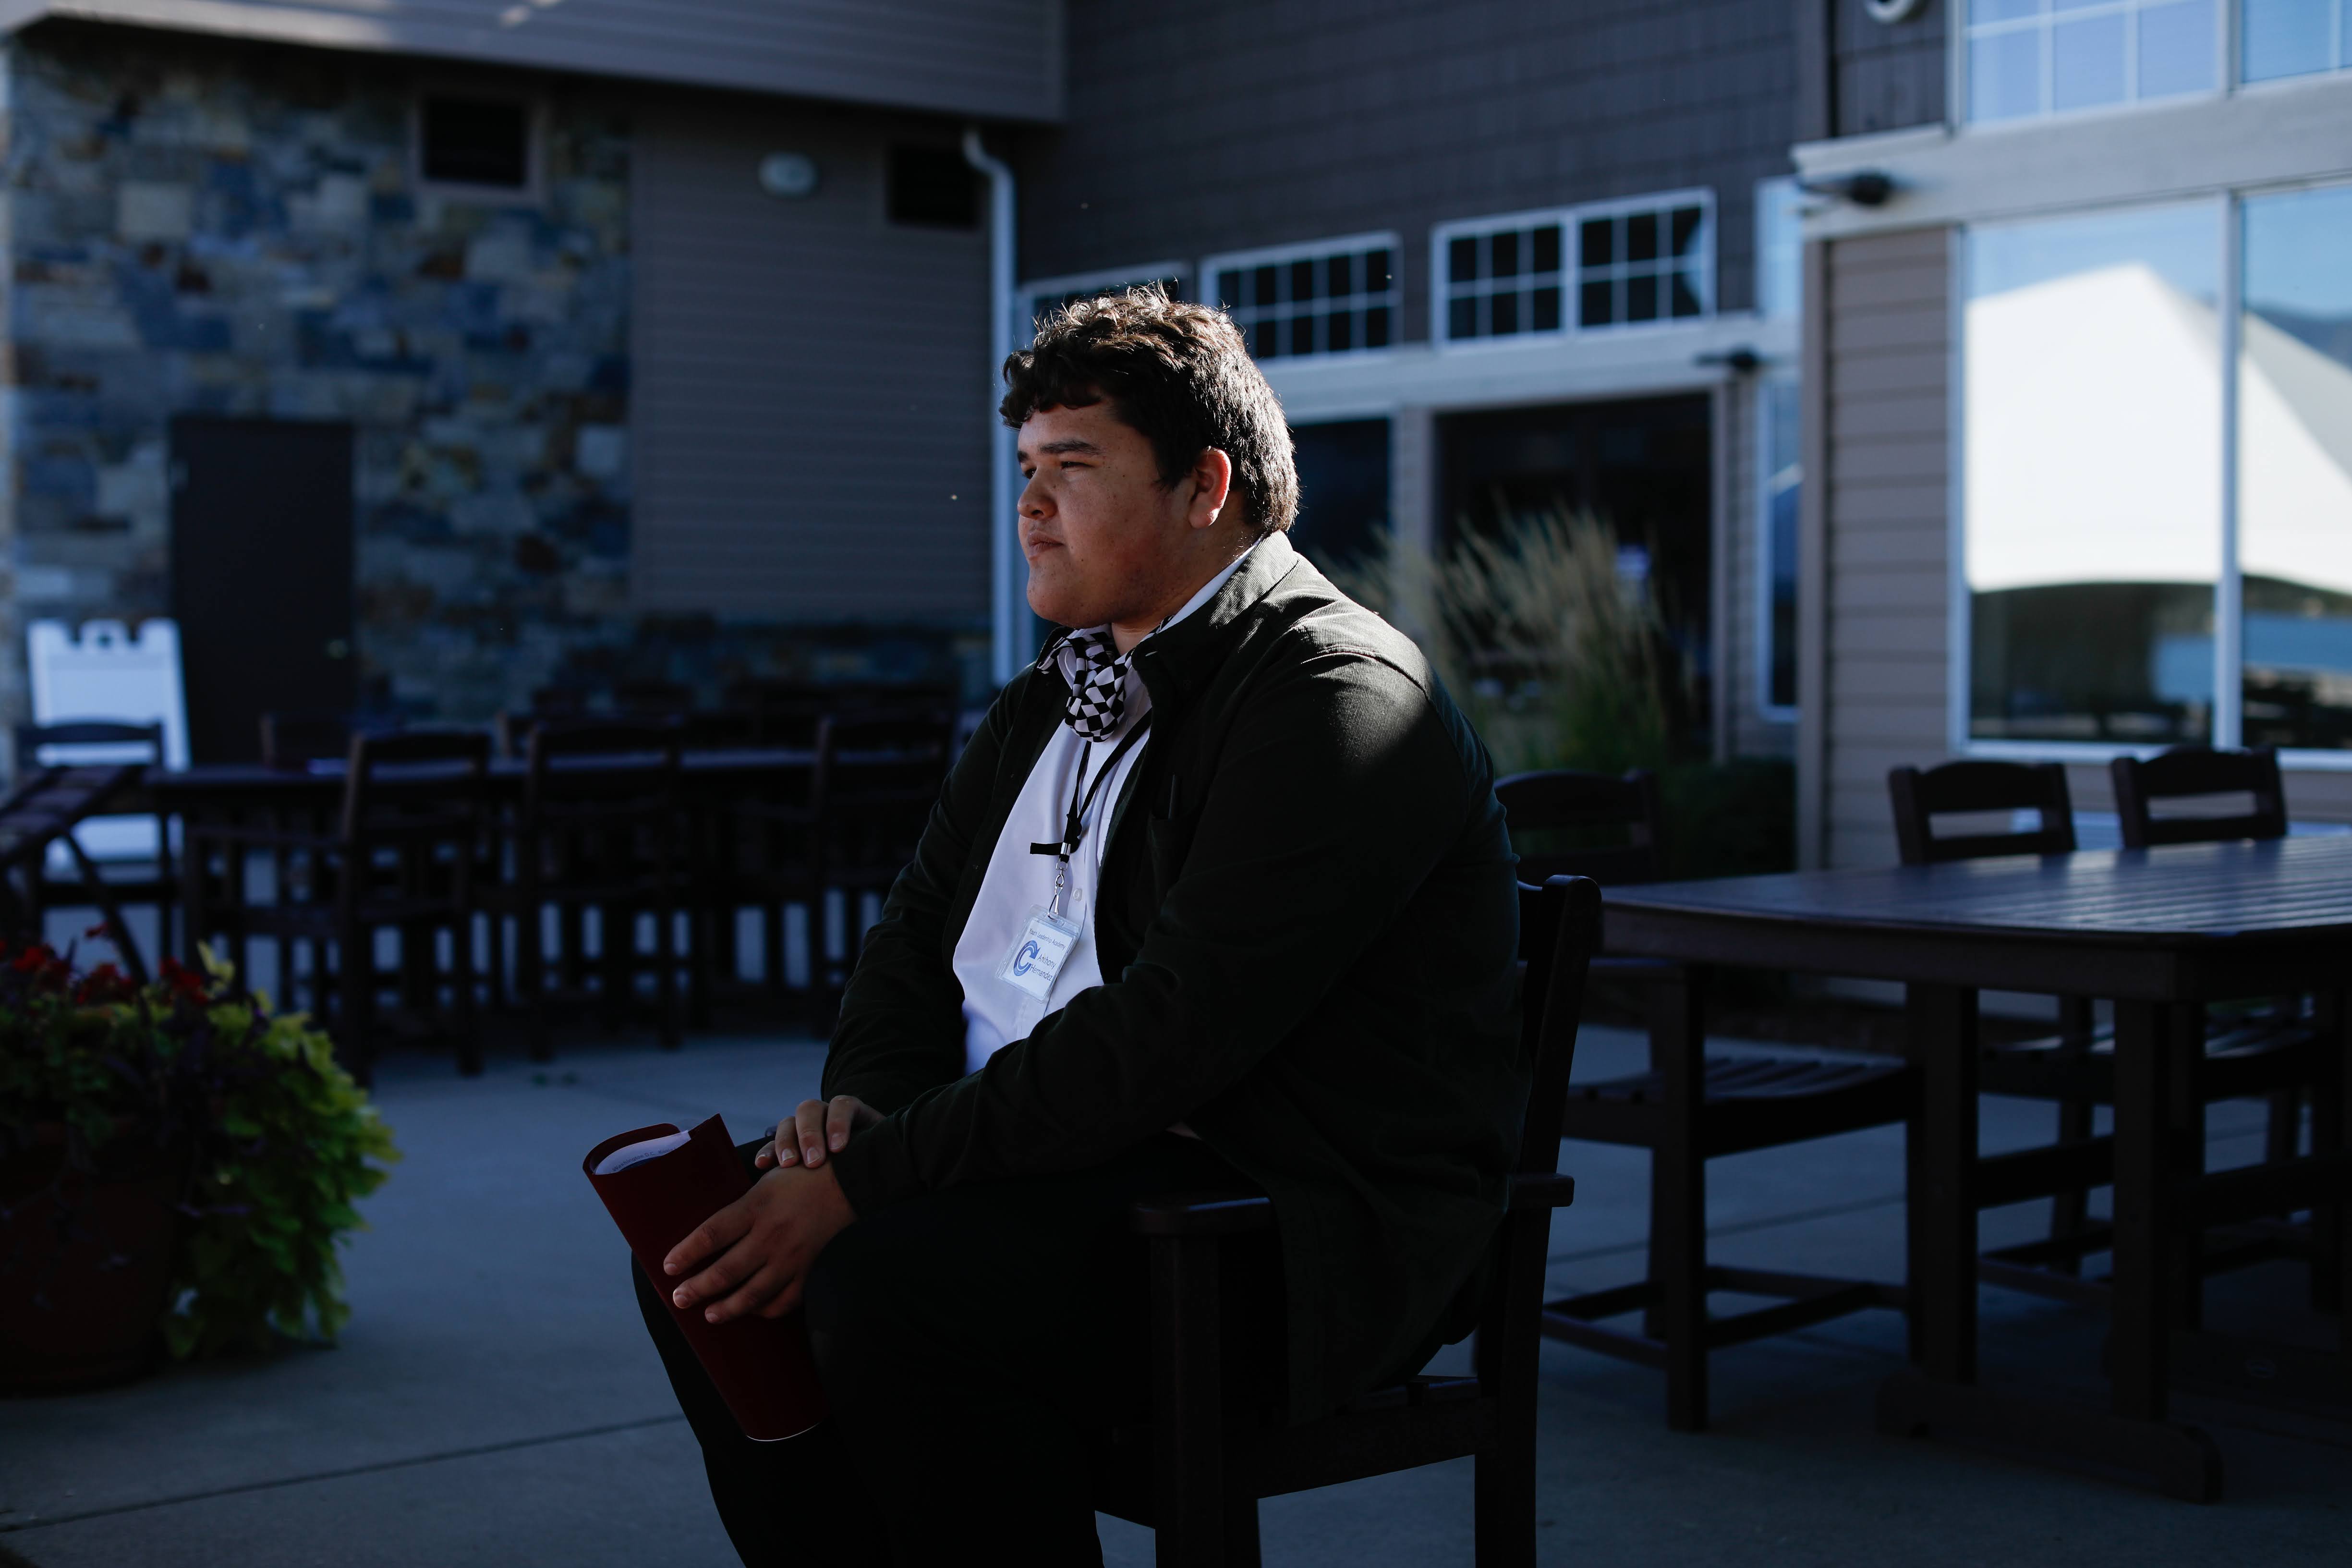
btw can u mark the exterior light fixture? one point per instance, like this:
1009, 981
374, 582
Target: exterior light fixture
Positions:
1892, 10
1863, 188
788, 176
1741, 360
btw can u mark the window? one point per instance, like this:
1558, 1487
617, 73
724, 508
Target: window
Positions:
2026, 57
1576, 269
2294, 471
1343, 488
1338, 296
1048, 295
932, 187
2091, 476
1779, 468
2294, 38
478, 142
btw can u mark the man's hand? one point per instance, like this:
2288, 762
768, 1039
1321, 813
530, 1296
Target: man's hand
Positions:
753, 1254
812, 1130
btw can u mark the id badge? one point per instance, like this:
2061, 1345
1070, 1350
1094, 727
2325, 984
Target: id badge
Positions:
1037, 955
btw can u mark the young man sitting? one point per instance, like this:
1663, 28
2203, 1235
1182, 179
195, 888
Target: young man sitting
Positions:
1219, 897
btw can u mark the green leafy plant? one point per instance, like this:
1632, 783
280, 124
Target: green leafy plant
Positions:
269, 1142
1560, 657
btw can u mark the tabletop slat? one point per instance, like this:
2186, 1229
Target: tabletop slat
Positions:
2192, 891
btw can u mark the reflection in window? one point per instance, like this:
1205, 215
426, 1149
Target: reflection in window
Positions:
2047, 56
2294, 38
2092, 476
1776, 570
2294, 468
1336, 297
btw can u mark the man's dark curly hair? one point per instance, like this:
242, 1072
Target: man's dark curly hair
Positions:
1178, 374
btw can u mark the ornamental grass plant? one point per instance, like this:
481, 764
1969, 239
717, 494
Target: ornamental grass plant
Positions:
265, 1141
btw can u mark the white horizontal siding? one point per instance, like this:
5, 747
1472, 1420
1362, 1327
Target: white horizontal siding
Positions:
994, 58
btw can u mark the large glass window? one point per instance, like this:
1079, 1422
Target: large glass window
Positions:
2049, 56
2092, 475
1779, 462
1336, 296
2294, 468
2294, 38
1042, 297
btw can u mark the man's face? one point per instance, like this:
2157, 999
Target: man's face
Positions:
1103, 540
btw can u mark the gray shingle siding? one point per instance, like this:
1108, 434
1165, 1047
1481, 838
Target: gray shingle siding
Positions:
1889, 76
1228, 125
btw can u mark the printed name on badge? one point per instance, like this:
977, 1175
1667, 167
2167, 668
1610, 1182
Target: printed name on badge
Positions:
1038, 953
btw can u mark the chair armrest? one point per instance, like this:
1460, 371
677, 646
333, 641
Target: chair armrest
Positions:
1201, 1213
1542, 1190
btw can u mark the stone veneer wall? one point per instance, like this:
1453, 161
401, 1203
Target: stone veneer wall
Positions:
197, 226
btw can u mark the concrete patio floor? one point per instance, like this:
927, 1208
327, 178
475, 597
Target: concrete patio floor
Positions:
495, 1401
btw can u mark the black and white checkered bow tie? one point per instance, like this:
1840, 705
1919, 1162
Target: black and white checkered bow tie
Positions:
1097, 675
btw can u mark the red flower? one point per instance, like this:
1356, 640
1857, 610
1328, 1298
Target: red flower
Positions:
184, 980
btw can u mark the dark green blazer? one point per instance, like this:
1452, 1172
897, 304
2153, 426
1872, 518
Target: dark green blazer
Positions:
1306, 928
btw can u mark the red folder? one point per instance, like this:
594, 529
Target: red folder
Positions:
761, 1367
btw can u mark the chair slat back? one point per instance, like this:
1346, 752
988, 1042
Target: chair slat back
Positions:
880, 775
86, 741
417, 785
1920, 796
1564, 800
2187, 770
291, 741
1559, 930
620, 764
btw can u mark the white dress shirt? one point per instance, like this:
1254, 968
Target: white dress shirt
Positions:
1018, 880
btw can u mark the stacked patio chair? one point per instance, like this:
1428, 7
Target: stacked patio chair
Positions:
402, 856
1687, 1109
65, 775
1195, 1471
883, 770
2266, 1052
599, 828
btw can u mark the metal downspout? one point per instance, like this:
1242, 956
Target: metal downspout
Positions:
1008, 603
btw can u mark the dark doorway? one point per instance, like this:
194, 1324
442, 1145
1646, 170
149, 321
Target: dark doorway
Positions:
1343, 488
261, 575
1644, 465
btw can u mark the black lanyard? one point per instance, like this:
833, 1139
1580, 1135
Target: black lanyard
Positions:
1074, 826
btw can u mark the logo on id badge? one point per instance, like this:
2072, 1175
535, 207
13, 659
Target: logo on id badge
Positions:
1038, 953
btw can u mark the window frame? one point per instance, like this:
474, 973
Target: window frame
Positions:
1766, 709
2229, 588
531, 193
2229, 63
1276, 255
1026, 295
1571, 270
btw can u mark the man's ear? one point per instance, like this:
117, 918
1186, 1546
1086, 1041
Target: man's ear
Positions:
1212, 486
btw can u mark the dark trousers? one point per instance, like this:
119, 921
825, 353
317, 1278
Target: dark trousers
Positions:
971, 1343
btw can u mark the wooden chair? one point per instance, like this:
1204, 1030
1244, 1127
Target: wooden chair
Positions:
141, 872
2278, 1051
2189, 771
599, 827
883, 774
1195, 1472
1690, 1107
765, 851
402, 856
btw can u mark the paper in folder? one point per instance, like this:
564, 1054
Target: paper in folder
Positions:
658, 1183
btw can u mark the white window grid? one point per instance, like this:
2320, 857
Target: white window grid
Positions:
1595, 266
2043, 20
1324, 297
2337, 48
1045, 296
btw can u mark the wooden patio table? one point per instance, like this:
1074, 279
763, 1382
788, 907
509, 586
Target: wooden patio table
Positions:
2160, 933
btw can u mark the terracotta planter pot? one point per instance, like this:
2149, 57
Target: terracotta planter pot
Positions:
84, 1270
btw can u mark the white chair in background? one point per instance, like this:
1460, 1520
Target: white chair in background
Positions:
107, 672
